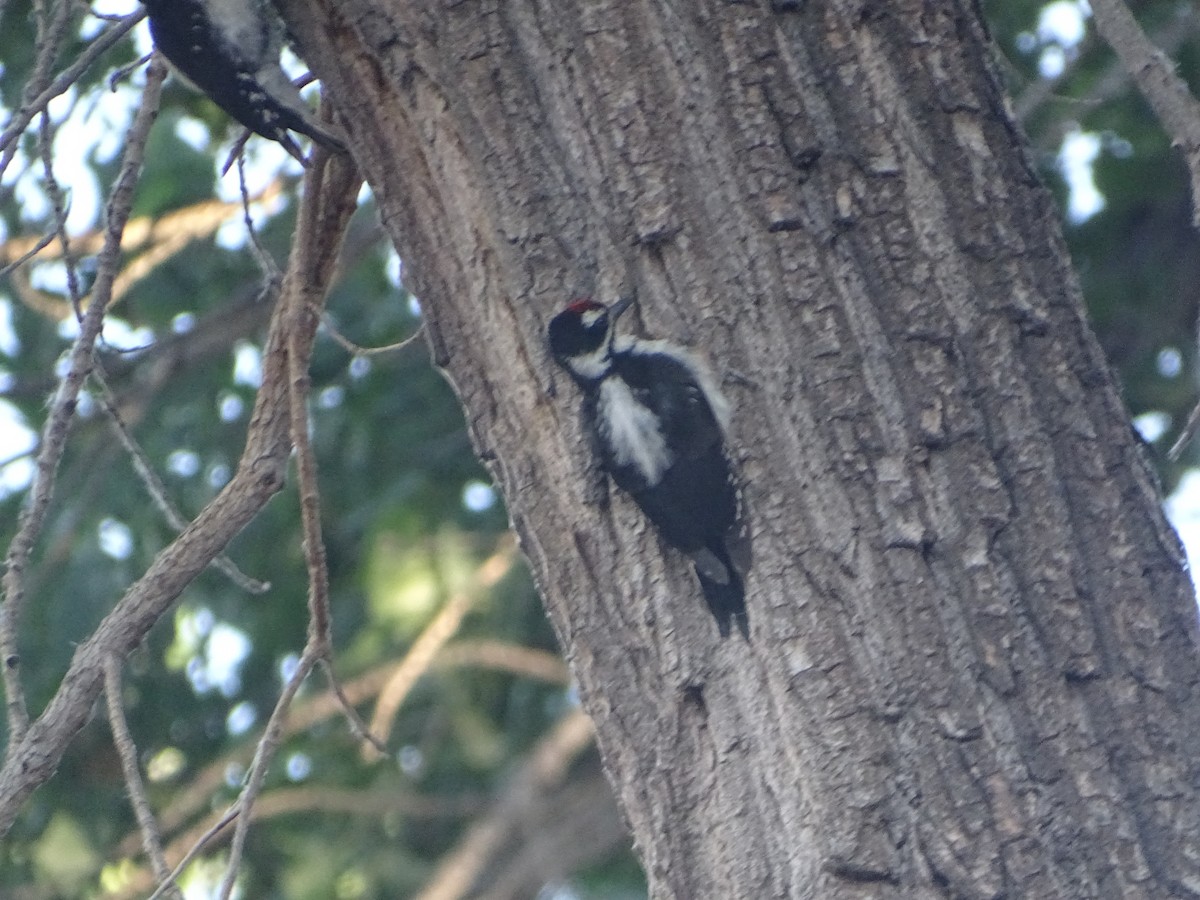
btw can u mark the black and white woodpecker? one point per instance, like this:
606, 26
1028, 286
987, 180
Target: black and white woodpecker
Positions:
657, 421
229, 50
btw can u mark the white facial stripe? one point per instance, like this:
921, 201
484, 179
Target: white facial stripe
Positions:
590, 317
591, 366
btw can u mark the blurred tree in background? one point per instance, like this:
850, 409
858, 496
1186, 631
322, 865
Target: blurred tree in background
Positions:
437, 628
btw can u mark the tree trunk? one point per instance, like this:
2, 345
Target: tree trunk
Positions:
972, 669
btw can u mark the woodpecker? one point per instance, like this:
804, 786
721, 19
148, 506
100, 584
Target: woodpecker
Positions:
657, 421
229, 50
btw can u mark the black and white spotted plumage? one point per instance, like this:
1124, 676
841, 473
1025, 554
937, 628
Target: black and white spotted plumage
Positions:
229, 50
658, 421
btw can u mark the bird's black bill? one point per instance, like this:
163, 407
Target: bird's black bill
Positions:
619, 307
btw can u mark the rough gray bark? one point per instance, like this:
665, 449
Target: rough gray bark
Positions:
973, 667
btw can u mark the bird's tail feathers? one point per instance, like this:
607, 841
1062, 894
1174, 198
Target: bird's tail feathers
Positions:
723, 591
305, 120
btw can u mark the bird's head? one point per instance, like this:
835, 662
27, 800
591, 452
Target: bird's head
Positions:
581, 336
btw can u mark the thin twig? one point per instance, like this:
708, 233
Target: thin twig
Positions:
49, 40
320, 617
302, 321
235, 153
58, 207
361, 731
154, 485
357, 350
264, 259
268, 746
127, 751
1154, 74
42, 243
1186, 435
108, 38
310, 497
120, 73
196, 849
326, 208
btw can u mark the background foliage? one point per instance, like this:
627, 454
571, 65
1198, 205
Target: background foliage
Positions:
408, 515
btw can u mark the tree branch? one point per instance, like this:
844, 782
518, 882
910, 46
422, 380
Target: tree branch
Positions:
33, 758
58, 422
1154, 74
127, 750
332, 186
